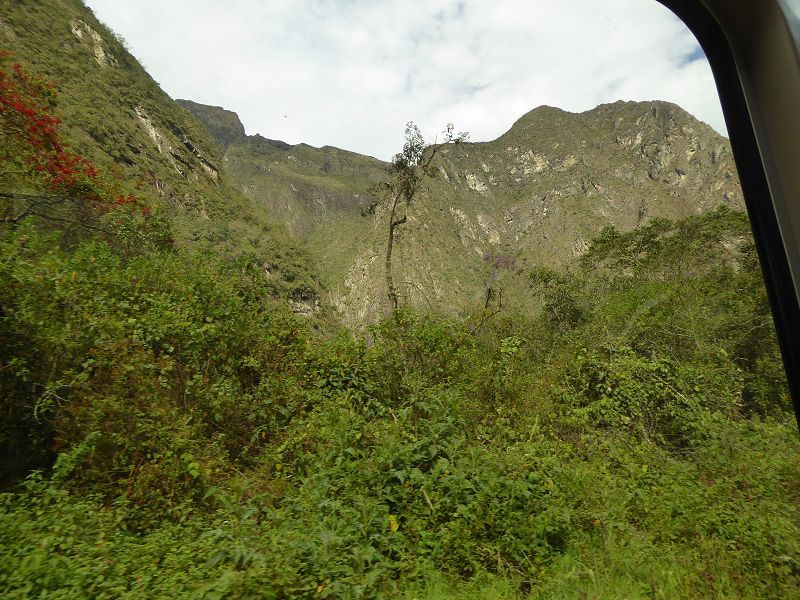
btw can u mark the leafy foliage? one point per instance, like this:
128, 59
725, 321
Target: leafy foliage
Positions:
241, 456
30, 132
59, 185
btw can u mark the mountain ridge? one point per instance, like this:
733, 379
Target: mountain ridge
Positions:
538, 193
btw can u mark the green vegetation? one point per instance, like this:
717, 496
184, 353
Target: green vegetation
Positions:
194, 438
169, 428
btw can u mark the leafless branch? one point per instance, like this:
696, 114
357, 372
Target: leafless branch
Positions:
38, 202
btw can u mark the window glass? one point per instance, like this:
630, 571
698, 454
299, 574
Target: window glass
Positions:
791, 8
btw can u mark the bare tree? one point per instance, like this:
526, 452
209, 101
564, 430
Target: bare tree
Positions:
411, 166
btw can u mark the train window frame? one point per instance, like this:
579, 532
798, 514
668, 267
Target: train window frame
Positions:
755, 61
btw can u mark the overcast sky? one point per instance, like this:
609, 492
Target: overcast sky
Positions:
351, 73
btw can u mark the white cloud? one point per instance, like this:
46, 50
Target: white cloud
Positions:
350, 73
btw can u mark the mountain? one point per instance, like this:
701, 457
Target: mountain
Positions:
533, 197
223, 125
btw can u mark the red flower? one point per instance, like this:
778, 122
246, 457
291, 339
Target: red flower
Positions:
32, 134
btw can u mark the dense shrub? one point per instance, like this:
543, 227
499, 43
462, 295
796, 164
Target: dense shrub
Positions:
169, 428
152, 356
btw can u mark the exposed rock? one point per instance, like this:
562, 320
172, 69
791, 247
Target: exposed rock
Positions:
568, 162
533, 162
207, 166
474, 183
155, 135
579, 246
487, 225
7, 31
86, 34
306, 305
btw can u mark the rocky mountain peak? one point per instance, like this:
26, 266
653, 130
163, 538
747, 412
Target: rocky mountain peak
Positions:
224, 125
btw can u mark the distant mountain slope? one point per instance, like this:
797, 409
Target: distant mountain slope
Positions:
303, 187
223, 125
533, 197
555, 179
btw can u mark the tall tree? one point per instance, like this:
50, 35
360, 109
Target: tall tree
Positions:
411, 167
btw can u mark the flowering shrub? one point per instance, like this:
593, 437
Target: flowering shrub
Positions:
39, 174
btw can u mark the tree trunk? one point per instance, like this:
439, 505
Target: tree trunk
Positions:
390, 288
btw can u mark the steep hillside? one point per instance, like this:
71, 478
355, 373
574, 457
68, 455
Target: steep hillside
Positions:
114, 113
533, 197
305, 187
113, 110
308, 189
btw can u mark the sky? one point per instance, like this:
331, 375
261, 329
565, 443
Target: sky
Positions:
351, 73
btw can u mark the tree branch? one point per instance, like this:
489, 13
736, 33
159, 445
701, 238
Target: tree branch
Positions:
485, 315
399, 221
18, 218
39, 201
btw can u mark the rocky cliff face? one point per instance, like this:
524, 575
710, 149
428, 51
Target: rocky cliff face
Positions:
533, 197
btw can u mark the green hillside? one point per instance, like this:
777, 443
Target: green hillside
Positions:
203, 393
116, 115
